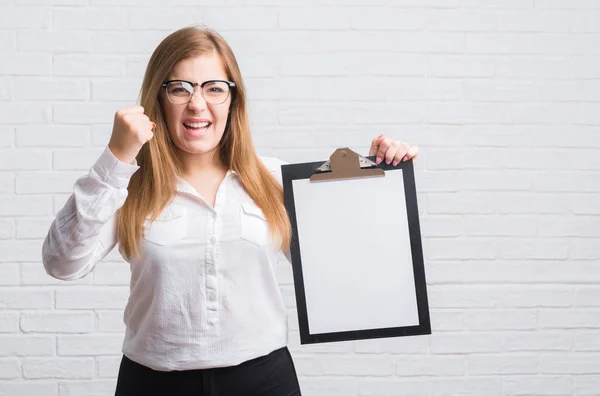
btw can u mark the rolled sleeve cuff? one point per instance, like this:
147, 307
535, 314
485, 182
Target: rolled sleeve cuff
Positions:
113, 171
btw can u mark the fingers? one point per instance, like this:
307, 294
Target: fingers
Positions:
375, 145
413, 152
384, 145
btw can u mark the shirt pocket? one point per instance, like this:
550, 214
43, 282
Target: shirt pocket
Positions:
169, 227
254, 227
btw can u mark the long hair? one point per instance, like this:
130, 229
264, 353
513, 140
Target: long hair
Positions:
153, 186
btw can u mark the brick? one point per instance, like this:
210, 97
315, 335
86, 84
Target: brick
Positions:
483, 90
20, 159
498, 4
26, 64
572, 5
329, 385
124, 42
75, 159
357, 366
9, 322
316, 18
89, 65
485, 364
6, 136
534, 21
57, 322
8, 40
390, 387
24, 113
586, 342
165, 18
30, 88
90, 387
468, 386
428, 42
569, 363
89, 345
459, 66
447, 320
9, 274
46, 182
10, 368
7, 229
567, 226
384, 18
52, 136
14, 17
538, 340
394, 345
7, 186
22, 298
29, 345
502, 320
455, 248
485, 226
29, 388
587, 385
95, 298
436, 365
89, 19
17, 251
587, 296
499, 43
564, 44
101, 134
108, 366
545, 385
441, 203
241, 18
34, 274
461, 20
135, 66
110, 321
570, 319
60, 368
25, 206
442, 226
85, 113
53, 41
567, 181
462, 113
116, 90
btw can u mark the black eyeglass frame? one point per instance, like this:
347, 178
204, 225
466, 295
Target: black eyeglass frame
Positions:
231, 85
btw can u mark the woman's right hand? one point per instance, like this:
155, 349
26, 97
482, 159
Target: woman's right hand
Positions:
131, 130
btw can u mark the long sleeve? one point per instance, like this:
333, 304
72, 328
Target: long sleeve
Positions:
84, 230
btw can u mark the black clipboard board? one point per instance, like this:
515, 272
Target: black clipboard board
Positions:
331, 319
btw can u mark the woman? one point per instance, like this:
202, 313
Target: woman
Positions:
200, 218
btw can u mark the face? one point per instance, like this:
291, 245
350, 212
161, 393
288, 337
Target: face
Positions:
197, 127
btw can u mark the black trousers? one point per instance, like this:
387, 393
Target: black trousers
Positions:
271, 375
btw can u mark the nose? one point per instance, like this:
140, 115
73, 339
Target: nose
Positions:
197, 102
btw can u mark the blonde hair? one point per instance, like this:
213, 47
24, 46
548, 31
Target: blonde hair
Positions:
153, 186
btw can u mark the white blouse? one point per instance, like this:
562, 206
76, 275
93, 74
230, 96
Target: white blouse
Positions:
204, 293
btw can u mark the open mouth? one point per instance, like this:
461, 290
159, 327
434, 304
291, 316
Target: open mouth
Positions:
197, 126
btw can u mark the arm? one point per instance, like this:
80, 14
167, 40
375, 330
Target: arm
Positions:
84, 230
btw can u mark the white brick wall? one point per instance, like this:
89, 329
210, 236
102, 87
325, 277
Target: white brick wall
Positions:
502, 96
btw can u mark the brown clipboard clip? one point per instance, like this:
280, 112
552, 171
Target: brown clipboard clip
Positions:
346, 164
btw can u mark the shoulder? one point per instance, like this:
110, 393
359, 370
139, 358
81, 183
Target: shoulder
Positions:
273, 165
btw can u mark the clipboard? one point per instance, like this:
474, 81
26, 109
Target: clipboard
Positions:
356, 249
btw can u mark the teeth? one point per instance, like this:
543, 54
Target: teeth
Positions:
197, 125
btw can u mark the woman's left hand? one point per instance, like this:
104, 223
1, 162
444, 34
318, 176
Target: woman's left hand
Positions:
392, 151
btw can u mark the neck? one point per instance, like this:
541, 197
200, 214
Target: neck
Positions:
198, 164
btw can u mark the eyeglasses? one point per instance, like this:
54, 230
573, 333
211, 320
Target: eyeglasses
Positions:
213, 91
